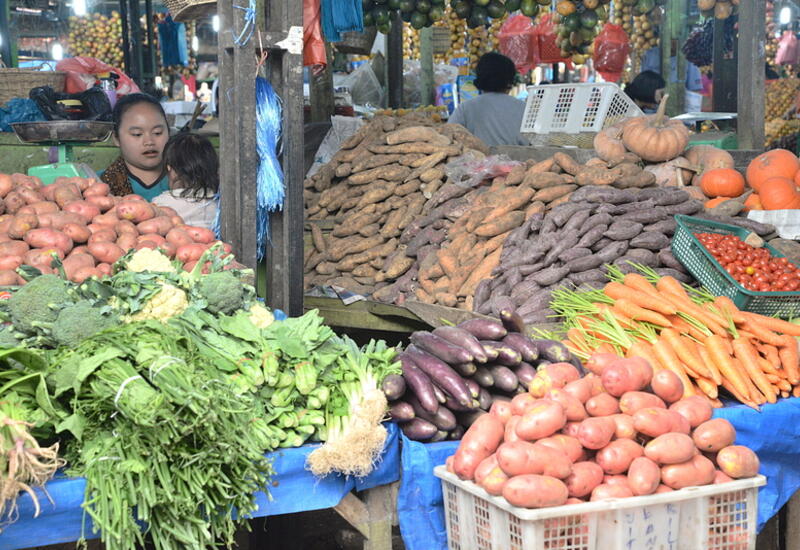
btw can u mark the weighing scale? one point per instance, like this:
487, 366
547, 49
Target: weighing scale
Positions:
63, 134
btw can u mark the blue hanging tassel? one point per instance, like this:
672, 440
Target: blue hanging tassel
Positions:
269, 179
341, 16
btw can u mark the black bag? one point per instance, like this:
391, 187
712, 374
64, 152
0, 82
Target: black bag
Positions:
95, 102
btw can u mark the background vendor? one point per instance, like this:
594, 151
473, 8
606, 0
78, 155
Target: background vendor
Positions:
141, 133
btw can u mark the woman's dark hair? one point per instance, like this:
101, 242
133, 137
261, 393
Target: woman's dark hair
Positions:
495, 73
644, 86
196, 164
127, 101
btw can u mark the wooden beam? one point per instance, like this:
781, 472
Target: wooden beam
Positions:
394, 62
426, 64
752, 44
673, 35
792, 534
354, 512
380, 506
725, 73
321, 90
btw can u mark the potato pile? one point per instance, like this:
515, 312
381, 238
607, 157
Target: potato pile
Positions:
77, 220
621, 431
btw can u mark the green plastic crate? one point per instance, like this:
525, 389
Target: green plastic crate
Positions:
702, 265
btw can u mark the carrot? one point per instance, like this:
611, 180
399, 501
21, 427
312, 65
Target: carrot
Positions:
770, 353
707, 386
776, 325
784, 385
752, 390
690, 308
605, 347
623, 319
716, 403
617, 291
728, 308
637, 313
684, 327
789, 359
724, 362
748, 356
763, 334
685, 350
639, 282
643, 349
706, 358
768, 369
672, 285
785, 394
744, 399
667, 357
774, 379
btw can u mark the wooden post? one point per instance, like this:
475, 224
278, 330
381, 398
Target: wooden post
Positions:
673, 35
394, 62
792, 535
321, 91
725, 73
752, 43
426, 63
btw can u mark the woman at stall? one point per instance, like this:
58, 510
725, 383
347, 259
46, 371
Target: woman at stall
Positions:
141, 133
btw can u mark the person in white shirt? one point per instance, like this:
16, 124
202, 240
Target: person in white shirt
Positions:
193, 169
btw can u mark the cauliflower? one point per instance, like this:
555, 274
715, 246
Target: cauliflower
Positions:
261, 316
148, 259
169, 302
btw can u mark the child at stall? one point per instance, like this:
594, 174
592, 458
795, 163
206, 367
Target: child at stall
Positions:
193, 169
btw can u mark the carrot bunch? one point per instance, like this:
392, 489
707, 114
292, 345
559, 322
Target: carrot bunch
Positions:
706, 340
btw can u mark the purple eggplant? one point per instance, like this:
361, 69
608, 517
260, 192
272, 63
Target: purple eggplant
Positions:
393, 386
440, 348
484, 329
468, 419
440, 395
463, 339
442, 374
400, 411
418, 429
419, 383
474, 388
441, 435
523, 345
506, 355
457, 433
500, 397
504, 378
525, 374
465, 369
443, 418
483, 377
512, 321
455, 406
485, 399
552, 351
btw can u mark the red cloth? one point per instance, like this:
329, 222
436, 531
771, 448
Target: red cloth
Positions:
313, 43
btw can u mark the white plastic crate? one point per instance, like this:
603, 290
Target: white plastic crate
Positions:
571, 112
712, 517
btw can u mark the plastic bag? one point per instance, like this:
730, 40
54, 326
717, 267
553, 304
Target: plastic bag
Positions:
19, 110
611, 50
81, 73
547, 41
470, 170
313, 44
788, 49
364, 86
518, 42
94, 100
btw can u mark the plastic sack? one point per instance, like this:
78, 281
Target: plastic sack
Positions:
365, 89
547, 41
471, 170
313, 43
81, 73
19, 110
518, 42
788, 49
611, 49
94, 100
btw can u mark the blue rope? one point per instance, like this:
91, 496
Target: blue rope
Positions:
249, 24
341, 16
269, 178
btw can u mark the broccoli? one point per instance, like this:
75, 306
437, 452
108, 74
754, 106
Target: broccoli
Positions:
223, 292
38, 302
78, 322
7, 338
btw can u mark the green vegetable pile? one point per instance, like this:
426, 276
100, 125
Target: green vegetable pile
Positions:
165, 391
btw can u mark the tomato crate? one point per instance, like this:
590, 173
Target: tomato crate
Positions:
712, 517
708, 271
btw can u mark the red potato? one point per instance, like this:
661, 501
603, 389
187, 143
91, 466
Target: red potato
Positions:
190, 252
522, 457
566, 444
654, 421
644, 476
65, 195
494, 482
136, 211
85, 209
500, 409
664, 489
200, 234
167, 211
6, 185
571, 429
105, 252
74, 261
695, 409
77, 232
47, 238
714, 435
573, 408
584, 478
721, 477
595, 384
86, 272
448, 464
160, 225
5, 238
226, 248
602, 404
697, 471
145, 244
624, 426
619, 377
480, 441
29, 195
177, 221
544, 419
580, 389
485, 467
667, 385
596, 432
43, 207
616, 479
8, 277
5, 222
670, 448
179, 237
82, 249
556, 375
21, 224
154, 238
606, 491
616, 457
57, 220
599, 361
633, 401
105, 269
680, 424
125, 226
106, 219
535, 491
13, 201
522, 403
189, 266
103, 203
42, 258
14, 248
10, 262
133, 197
738, 461
106, 235
97, 189
126, 241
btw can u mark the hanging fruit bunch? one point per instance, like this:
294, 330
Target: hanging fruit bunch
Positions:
646, 16
458, 35
699, 47
97, 36
720, 9
577, 23
418, 13
410, 42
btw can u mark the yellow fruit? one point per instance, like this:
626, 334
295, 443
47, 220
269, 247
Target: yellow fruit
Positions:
565, 7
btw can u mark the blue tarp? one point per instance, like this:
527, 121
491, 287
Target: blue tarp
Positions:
772, 433
293, 489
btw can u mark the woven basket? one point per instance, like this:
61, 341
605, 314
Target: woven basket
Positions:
19, 82
190, 10
358, 43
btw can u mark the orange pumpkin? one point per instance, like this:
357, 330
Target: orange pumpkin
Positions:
797, 178
707, 157
656, 138
779, 194
722, 182
713, 203
778, 163
753, 202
